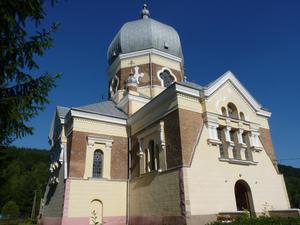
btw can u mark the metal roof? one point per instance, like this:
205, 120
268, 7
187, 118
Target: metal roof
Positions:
145, 33
191, 85
107, 108
62, 111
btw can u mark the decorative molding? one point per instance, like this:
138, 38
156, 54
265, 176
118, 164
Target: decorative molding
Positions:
187, 90
92, 140
162, 70
238, 161
129, 97
229, 76
111, 69
92, 116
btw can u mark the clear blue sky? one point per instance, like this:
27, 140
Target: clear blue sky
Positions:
258, 40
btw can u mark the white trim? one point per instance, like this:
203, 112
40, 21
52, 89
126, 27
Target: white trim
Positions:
229, 76
93, 116
111, 69
187, 90
238, 161
95, 139
130, 97
161, 80
150, 51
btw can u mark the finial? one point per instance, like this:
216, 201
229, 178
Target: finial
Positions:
145, 12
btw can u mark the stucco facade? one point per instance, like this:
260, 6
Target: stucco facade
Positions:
161, 150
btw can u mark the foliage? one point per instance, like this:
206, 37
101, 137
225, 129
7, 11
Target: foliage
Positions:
94, 218
292, 180
22, 171
10, 210
23, 93
263, 221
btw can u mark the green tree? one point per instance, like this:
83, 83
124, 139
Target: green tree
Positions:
10, 210
23, 94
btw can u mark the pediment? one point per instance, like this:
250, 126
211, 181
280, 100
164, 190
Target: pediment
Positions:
229, 77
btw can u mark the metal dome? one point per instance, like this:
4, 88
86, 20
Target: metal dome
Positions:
145, 33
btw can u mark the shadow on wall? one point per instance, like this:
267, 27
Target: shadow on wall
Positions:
52, 187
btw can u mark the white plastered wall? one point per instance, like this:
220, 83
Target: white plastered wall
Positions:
210, 182
228, 93
112, 194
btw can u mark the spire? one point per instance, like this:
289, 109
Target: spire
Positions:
145, 12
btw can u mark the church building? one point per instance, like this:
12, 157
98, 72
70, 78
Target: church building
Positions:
160, 150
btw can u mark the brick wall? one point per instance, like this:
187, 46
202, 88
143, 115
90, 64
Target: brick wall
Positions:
265, 138
77, 145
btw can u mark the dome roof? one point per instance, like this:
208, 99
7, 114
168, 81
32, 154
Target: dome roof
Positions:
145, 33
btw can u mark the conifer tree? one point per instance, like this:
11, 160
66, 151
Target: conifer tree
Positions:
23, 94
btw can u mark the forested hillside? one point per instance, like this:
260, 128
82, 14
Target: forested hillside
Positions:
292, 180
22, 172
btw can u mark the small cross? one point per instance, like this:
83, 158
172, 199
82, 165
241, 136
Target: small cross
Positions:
131, 63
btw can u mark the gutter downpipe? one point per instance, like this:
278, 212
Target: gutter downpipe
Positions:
129, 175
151, 75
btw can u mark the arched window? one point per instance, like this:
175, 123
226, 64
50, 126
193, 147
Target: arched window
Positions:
97, 163
242, 116
224, 113
167, 78
232, 111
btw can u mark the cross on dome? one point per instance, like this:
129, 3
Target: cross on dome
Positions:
145, 12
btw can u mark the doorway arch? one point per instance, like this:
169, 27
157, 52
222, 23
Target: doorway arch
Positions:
243, 197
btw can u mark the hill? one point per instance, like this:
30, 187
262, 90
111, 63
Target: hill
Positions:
22, 172
292, 181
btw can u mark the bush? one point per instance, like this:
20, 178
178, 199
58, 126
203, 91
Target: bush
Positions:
10, 210
263, 221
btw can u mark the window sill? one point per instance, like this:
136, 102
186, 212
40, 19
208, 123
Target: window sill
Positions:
238, 161
213, 141
243, 145
230, 143
257, 148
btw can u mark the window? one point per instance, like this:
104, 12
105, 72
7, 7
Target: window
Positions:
232, 111
234, 152
219, 134
97, 163
242, 116
231, 135
167, 78
151, 156
244, 137
224, 113
222, 152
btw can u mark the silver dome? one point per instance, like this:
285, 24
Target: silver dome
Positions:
145, 33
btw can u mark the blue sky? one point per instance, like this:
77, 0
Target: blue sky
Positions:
259, 41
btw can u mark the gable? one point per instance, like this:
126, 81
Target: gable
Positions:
234, 88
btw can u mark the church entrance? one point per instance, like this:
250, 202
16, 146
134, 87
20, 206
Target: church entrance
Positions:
243, 197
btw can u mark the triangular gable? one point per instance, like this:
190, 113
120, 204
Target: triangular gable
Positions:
59, 114
229, 76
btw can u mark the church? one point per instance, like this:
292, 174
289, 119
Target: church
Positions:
161, 149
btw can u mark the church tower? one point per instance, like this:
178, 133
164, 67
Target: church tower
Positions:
144, 58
